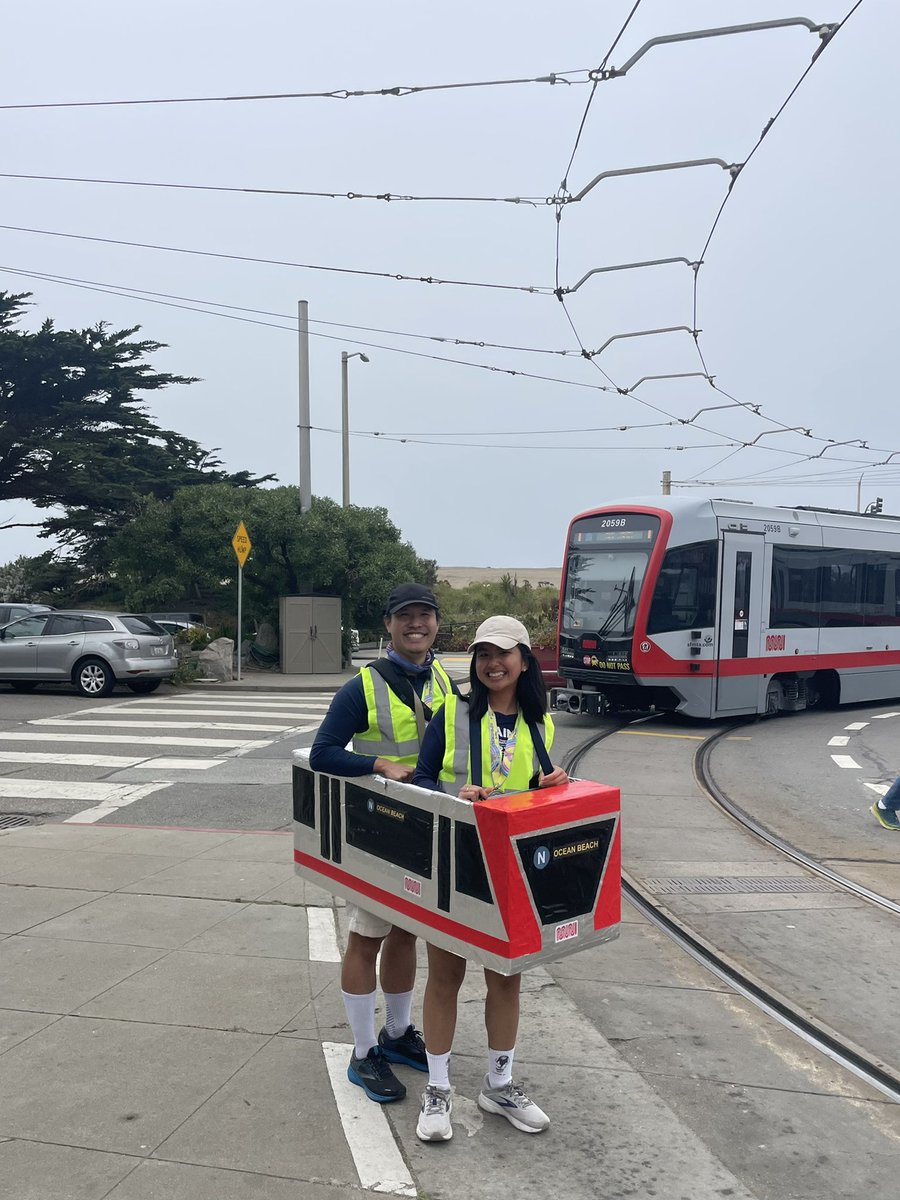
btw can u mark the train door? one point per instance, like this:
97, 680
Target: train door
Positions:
740, 623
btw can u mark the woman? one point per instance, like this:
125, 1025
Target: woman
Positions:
494, 741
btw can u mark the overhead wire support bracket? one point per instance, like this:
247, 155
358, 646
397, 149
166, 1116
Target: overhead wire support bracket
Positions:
676, 375
617, 337
632, 266
825, 32
732, 168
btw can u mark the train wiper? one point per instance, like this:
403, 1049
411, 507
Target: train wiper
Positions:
623, 604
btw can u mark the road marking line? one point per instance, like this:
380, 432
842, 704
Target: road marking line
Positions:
844, 760
856, 725
884, 716
89, 816
140, 724
375, 1153
880, 788
323, 944
839, 741
116, 761
230, 749
64, 789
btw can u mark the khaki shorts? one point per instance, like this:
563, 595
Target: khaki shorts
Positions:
366, 924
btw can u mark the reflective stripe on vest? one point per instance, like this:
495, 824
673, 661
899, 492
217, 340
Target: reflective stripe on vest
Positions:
392, 731
456, 768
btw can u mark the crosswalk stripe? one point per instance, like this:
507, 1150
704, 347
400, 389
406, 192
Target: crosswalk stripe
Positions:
312, 699
64, 789
115, 761
323, 945
229, 748
300, 713
375, 1153
139, 723
178, 764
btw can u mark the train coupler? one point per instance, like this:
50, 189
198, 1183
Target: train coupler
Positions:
594, 704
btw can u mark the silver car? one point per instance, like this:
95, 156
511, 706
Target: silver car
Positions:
92, 650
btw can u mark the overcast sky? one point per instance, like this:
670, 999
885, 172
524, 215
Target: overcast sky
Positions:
796, 295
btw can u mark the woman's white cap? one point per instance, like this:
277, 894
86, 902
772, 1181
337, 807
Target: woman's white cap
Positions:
504, 632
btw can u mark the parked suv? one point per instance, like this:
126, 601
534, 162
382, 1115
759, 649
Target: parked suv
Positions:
11, 612
93, 650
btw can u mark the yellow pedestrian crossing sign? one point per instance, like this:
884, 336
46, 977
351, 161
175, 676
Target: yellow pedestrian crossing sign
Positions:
241, 543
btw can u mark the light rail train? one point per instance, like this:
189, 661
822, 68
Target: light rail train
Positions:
718, 608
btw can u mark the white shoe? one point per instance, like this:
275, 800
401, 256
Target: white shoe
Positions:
511, 1102
434, 1119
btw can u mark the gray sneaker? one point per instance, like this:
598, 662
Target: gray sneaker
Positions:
511, 1102
434, 1119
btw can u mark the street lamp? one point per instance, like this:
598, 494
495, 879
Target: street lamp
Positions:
345, 424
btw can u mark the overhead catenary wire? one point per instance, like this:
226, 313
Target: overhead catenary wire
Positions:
278, 262
389, 197
564, 198
578, 75
499, 370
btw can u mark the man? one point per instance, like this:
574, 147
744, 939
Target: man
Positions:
383, 712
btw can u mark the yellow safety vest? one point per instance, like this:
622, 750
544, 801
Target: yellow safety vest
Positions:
392, 732
456, 768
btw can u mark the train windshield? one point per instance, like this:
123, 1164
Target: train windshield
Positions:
608, 556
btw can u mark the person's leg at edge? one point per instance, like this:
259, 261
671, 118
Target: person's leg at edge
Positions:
891, 799
446, 972
886, 808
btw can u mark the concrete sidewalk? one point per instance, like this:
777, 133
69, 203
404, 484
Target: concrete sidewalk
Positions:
171, 1028
456, 665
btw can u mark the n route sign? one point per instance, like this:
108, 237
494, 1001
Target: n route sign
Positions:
241, 543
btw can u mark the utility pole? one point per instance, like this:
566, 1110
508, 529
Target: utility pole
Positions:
304, 425
667, 483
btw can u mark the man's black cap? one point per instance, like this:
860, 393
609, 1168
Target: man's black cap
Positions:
410, 593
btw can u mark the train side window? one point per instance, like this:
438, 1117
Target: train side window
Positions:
685, 592
794, 599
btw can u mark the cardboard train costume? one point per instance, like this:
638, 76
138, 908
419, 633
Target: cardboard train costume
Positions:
519, 879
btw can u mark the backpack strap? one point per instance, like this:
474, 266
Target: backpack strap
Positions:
401, 685
539, 748
475, 765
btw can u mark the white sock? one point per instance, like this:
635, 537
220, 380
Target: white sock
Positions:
398, 1013
881, 804
361, 1016
438, 1070
500, 1067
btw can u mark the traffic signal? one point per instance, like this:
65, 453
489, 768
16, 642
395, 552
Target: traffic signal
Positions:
878, 505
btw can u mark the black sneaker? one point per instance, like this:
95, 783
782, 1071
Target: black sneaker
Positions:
374, 1075
408, 1049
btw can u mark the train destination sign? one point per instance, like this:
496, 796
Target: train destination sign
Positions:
615, 528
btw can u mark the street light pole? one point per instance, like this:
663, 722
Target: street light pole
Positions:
345, 424
304, 425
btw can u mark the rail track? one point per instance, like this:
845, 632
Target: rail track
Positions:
879, 1075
